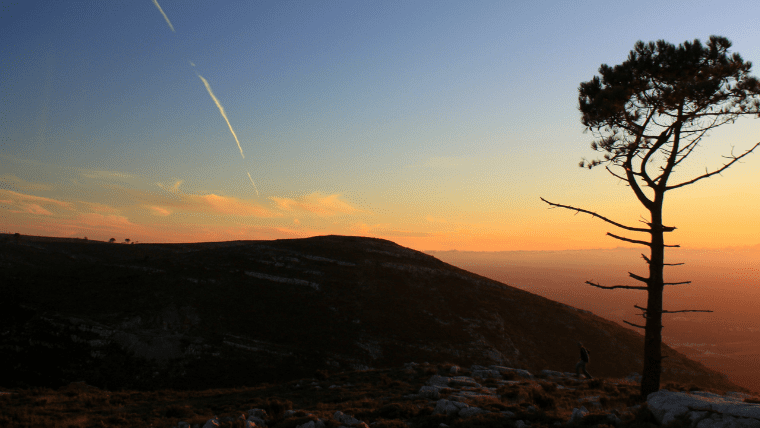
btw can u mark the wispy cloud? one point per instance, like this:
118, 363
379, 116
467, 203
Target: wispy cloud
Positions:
435, 219
160, 211
105, 175
8, 181
208, 203
22, 203
254, 184
224, 115
165, 17
316, 203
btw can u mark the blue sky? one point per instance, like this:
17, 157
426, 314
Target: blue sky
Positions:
434, 124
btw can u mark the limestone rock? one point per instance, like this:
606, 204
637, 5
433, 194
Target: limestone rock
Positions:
211, 423
437, 380
486, 374
507, 370
578, 414
346, 419
450, 408
470, 411
431, 392
666, 406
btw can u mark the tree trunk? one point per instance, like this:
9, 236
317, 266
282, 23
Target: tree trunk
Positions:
650, 380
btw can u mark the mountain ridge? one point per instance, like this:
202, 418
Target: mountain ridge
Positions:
231, 313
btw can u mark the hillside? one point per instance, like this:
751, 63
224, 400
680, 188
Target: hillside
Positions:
226, 314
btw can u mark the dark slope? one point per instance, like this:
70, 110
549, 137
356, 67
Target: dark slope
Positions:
237, 313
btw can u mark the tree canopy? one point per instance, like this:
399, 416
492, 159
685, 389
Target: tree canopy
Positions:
665, 98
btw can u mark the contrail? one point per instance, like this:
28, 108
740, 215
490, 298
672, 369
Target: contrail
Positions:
254, 184
165, 17
224, 115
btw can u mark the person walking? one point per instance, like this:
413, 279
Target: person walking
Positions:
581, 366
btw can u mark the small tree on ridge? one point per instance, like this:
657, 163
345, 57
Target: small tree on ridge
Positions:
647, 115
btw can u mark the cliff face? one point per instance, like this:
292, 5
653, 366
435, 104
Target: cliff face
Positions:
226, 314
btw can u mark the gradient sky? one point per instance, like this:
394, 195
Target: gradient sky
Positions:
433, 124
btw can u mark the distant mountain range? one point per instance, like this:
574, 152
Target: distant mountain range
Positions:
203, 315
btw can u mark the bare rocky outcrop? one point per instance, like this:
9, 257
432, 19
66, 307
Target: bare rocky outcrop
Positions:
704, 409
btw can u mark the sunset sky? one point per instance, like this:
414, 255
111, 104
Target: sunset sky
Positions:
437, 125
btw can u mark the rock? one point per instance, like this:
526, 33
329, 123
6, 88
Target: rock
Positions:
183, 424
486, 374
346, 419
521, 424
437, 380
592, 400
578, 414
614, 419
551, 373
289, 413
634, 377
450, 408
731, 411
211, 423
470, 411
507, 414
258, 413
431, 392
454, 369
507, 370
309, 424
462, 381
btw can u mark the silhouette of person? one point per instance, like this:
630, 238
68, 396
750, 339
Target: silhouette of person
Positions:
581, 366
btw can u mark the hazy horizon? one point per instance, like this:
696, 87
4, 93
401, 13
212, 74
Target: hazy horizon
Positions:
725, 340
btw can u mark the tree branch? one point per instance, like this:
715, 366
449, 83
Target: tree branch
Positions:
627, 287
718, 171
635, 325
638, 278
635, 229
671, 312
676, 283
629, 240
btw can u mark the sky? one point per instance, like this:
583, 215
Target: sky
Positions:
437, 125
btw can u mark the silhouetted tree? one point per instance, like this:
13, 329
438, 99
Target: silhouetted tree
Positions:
647, 115
112, 240
127, 240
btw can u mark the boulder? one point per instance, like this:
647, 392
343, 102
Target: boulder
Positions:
211, 423
462, 381
578, 414
345, 419
704, 409
486, 374
431, 392
450, 408
437, 380
508, 370
470, 411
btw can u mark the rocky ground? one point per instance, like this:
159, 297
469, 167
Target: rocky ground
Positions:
415, 395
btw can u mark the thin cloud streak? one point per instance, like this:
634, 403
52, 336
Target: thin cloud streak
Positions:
316, 203
224, 115
254, 184
165, 17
